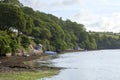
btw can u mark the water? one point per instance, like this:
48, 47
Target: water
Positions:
88, 65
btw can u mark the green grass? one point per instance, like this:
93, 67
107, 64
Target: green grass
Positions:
107, 34
110, 35
26, 75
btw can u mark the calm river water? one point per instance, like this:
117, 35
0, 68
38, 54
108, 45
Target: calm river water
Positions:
88, 65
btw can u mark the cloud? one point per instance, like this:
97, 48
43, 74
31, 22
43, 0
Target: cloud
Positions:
60, 8
52, 4
85, 16
65, 5
96, 15
71, 2
97, 22
66, 2
35, 4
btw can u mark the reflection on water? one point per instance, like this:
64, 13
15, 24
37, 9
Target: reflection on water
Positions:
89, 65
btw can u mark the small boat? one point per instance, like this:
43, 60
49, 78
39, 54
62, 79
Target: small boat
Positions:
50, 52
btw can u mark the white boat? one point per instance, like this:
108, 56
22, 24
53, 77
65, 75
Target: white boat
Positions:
50, 52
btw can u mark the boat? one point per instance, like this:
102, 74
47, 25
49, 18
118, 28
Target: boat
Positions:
50, 52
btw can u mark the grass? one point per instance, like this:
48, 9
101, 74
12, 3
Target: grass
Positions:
27, 75
107, 34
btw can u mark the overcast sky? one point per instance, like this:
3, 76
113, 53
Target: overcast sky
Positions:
96, 15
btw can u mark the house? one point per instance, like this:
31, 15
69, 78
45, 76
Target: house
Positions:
76, 47
36, 51
39, 47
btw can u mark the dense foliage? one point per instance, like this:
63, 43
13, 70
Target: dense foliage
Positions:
24, 25
107, 40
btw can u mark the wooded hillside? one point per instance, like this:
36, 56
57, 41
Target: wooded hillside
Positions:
21, 25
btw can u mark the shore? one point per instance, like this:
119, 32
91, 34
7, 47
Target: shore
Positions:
13, 68
17, 63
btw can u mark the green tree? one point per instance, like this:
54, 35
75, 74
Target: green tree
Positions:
14, 46
45, 34
29, 25
36, 32
25, 41
11, 16
13, 2
4, 43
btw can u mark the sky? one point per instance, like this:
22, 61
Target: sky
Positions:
96, 15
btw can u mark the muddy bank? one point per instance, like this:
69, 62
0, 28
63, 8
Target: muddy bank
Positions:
16, 63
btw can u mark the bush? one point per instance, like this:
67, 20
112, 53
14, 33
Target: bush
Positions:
4, 43
25, 41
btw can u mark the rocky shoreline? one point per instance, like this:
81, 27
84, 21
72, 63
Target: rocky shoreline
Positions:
16, 63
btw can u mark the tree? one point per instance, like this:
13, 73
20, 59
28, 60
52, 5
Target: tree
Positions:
14, 46
29, 25
29, 11
13, 2
4, 43
45, 34
36, 32
11, 16
25, 41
